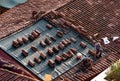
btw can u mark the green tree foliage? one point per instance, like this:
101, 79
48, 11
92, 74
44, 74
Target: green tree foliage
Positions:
114, 73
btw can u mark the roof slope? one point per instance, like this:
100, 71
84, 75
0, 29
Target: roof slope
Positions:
20, 16
6, 75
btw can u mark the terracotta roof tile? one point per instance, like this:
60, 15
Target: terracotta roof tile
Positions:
20, 16
7, 75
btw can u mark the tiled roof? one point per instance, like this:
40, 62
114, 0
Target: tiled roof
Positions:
6, 75
98, 67
94, 17
7, 58
20, 16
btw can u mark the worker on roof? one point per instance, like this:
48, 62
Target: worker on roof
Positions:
86, 64
98, 49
